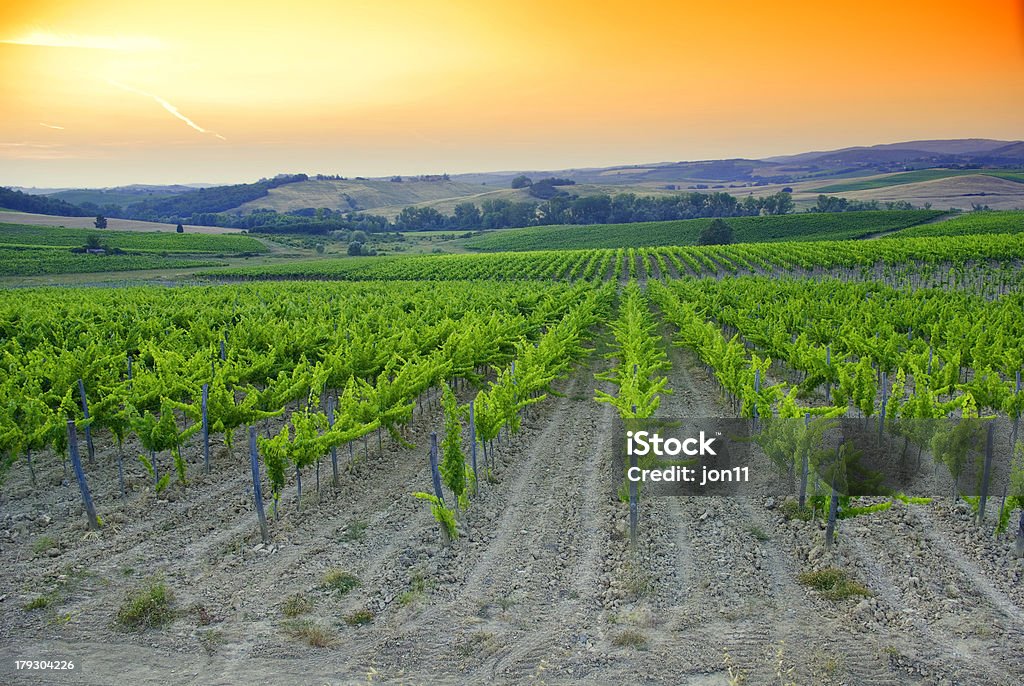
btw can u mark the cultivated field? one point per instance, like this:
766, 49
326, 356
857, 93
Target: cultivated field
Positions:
790, 227
525, 571
46, 250
11, 217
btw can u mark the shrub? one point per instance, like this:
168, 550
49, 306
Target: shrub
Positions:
340, 581
833, 583
151, 606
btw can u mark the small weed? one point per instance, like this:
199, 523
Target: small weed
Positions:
640, 617
417, 590
791, 510
478, 643
736, 676
211, 640
151, 606
359, 618
128, 571
831, 666
409, 598
758, 533
313, 634
782, 673
38, 603
505, 602
340, 581
62, 619
354, 532
630, 638
44, 543
296, 605
833, 583
636, 580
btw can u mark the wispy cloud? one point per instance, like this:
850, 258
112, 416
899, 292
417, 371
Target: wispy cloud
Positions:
167, 106
51, 126
34, 151
45, 39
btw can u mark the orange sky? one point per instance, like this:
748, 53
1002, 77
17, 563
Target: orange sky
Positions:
191, 91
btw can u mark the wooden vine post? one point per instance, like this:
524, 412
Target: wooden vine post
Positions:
257, 488
83, 486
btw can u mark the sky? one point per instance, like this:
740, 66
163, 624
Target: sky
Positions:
105, 92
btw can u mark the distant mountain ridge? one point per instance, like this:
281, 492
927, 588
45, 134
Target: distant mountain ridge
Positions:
957, 146
387, 196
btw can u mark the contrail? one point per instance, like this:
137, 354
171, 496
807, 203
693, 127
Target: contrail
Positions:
51, 126
167, 106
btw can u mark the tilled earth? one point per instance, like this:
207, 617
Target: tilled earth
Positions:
541, 587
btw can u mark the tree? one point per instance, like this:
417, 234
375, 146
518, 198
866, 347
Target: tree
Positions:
355, 248
101, 222
320, 248
359, 236
716, 233
521, 181
93, 243
467, 216
179, 228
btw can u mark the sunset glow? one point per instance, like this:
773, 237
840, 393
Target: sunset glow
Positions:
367, 88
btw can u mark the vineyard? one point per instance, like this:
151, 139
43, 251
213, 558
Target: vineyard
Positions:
25, 236
969, 224
41, 250
377, 469
987, 263
39, 261
793, 227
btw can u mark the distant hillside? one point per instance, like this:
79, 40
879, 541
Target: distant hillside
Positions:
213, 200
40, 204
915, 177
890, 172
121, 196
908, 150
358, 195
964, 192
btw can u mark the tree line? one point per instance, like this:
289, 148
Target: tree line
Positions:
210, 207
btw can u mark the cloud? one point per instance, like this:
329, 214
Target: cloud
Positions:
46, 39
34, 151
167, 106
51, 126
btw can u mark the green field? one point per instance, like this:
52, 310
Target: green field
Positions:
789, 227
41, 261
916, 177
22, 235
597, 264
969, 224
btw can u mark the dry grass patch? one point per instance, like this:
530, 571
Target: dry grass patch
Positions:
833, 583
314, 634
147, 607
630, 638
